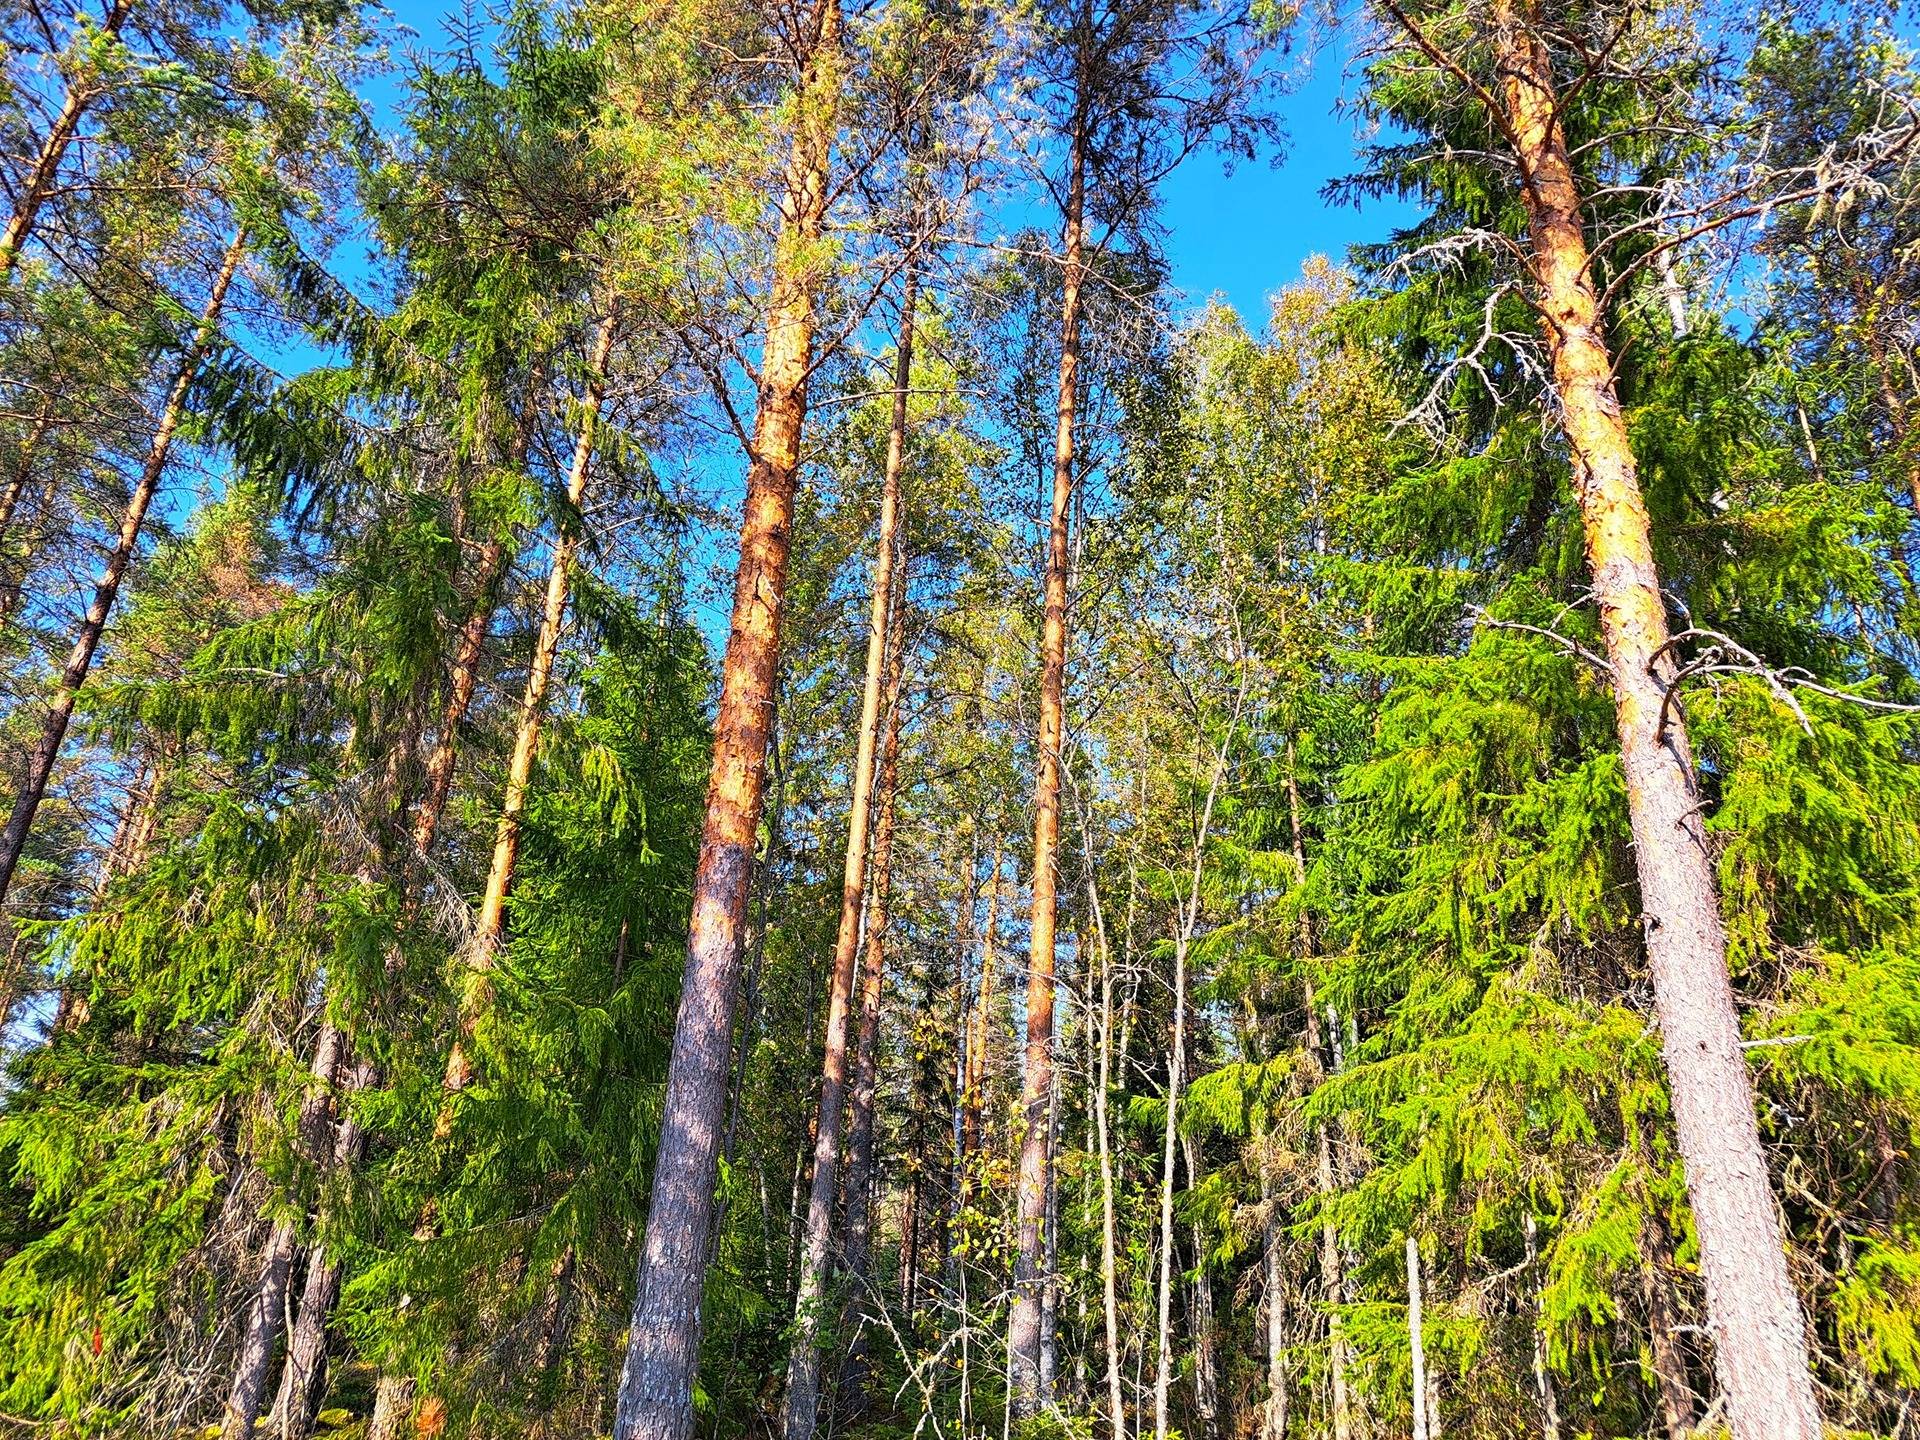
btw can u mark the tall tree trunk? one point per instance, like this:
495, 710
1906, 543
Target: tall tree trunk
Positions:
1103, 1131
1036, 1159
980, 1023
1206, 1378
1163, 1368
46, 164
1760, 1340
53, 731
487, 931
1273, 1416
803, 1362
866, 1058
663, 1345
1325, 1058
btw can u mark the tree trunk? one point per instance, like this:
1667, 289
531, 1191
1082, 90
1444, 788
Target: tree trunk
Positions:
1206, 1378
53, 731
23, 472
392, 1408
476, 998
1674, 1394
267, 1309
803, 1362
1163, 1369
46, 164
1760, 1341
1273, 1419
663, 1345
1423, 1426
866, 1059
1103, 1131
1542, 1377
303, 1375
1036, 1159
980, 1023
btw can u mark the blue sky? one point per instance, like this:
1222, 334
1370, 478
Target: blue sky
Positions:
1245, 235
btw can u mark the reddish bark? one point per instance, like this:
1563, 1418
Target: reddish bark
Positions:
1024, 1323
1760, 1340
663, 1344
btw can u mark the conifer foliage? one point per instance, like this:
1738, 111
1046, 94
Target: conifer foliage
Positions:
685, 757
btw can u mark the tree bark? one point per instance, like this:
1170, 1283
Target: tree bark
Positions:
663, 1346
1036, 1159
477, 995
866, 1059
803, 1362
1760, 1340
46, 164
1273, 1418
53, 731
1103, 1130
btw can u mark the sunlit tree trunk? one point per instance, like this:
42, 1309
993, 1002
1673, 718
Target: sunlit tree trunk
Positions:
1036, 1159
53, 730
803, 1363
46, 163
858, 1200
663, 1342
1423, 1426
1759, 1332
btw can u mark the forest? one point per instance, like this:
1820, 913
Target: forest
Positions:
685, 755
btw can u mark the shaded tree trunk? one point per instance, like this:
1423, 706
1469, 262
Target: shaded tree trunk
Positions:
803, 1362
260, 1325
663, 1346
53, 730
1760, 1340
